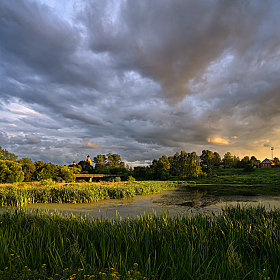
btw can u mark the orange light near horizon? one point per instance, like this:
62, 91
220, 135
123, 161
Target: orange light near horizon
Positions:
218, 141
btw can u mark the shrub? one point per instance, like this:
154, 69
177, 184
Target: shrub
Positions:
118, 179
130, 179
47, 182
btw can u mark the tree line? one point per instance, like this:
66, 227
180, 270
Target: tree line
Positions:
181, 165
104, 164
189, 165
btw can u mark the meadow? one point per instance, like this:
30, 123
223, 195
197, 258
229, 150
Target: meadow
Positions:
240, 243
260, 176
20, 194
237, 182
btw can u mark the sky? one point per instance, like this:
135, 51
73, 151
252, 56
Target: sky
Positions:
141, 79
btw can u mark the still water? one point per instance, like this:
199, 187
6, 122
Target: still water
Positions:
173, 201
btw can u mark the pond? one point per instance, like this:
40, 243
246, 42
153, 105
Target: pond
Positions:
173, 201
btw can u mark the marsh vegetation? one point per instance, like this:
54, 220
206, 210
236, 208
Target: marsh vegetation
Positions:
240, 243
49, 192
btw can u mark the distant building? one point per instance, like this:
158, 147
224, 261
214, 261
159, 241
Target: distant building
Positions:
88, 159
267, 163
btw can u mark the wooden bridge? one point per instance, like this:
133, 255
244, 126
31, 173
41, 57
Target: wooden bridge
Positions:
90, 176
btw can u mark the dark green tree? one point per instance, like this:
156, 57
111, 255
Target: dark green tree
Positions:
276, 161
245, 161
254, 161
77, 169
28, 168
66, 173
216, 159
174, 164
10, 172
236, 161
114, 160
161, 168
143, 173
86, 167
100, 162
228, 160
5, 155
207, 160
45, 171
189, 165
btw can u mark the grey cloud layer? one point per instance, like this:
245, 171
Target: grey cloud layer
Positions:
154, 77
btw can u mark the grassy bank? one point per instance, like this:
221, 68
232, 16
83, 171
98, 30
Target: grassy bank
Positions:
261, 176
241, 243
22, 194
236, 182
234, 190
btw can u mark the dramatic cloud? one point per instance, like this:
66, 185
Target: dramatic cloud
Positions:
87, 144
139, 78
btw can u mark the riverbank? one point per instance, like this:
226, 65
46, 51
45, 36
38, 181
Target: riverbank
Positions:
260, 176
21, 194
219, 189
240, 243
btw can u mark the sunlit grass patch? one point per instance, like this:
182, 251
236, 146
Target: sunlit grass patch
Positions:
22, 194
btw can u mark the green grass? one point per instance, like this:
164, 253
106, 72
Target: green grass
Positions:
240, 243
259, 176
22, 194
234, 190
258, 182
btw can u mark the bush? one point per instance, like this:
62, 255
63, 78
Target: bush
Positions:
248, 168
118, 179
47, 182
130, 179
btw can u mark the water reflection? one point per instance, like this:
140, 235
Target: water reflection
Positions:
174, 202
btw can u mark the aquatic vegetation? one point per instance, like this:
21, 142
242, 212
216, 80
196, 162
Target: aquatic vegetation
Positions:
240, 243
22, 194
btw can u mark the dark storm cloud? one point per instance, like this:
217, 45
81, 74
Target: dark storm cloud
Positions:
175, 42
154, 77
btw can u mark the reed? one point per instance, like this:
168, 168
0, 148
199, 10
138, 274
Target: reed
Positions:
22, 194
240, 243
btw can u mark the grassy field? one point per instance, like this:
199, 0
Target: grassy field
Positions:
261, 176
235, 190
24, 193
236, 182
240, 243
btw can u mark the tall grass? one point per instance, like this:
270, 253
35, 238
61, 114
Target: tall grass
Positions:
240, 243
22, 194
